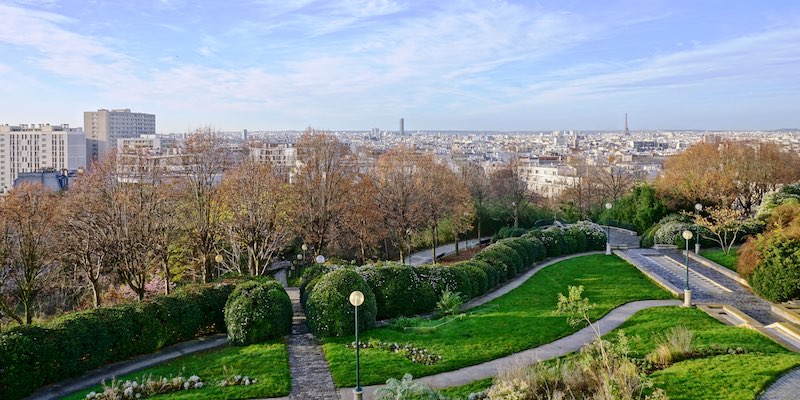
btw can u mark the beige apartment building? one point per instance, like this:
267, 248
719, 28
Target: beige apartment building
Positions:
103, 128
34, 148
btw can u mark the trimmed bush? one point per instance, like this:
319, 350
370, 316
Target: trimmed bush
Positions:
509, 232
477, 278
328, 308
553, 240
492, 271
258, 311
501, 256
398, 290
777, 276
578, 237
68, 346
524, 249
310, 278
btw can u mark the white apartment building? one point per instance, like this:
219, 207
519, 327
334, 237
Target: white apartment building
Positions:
147, 144
33, 148
103, 128
281, 155
548, 180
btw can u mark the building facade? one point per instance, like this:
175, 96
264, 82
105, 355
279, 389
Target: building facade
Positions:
103, 128
36, 148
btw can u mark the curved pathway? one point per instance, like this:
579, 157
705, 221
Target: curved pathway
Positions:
787, 387
557, 348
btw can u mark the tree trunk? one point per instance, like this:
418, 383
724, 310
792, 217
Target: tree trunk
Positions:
96, 292
28, 312
456, 236
434, 235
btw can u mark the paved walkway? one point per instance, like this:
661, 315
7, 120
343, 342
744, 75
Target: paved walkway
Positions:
787, 387
708, 285
311, 378
544, 352
424, 256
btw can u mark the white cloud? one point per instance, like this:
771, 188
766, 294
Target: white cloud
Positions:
204, 51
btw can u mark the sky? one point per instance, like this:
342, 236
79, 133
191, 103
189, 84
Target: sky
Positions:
441, 65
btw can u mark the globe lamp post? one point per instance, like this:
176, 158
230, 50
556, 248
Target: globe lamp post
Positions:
608, 229
357, 299
320, 259
687, 293
697, 208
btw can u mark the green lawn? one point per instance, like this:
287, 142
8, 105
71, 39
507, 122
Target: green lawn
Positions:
519, 320
719, 257
740, 376
266, 362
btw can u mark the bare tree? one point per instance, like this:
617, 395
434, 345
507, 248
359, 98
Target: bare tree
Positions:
479, 187
326, 175
510, 190
614, 180
257, 215
205, 157
361, 222
396, 177
441, 192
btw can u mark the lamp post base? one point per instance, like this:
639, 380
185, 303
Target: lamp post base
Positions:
608, 249
687, 298
358, 393
697, 248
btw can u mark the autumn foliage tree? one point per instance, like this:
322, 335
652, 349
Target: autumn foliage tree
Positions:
510, 190
732, 174
30, 248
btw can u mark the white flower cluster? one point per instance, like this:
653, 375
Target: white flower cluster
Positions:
130, 390
589, 226
237, 380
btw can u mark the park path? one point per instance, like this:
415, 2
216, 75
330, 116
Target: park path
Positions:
557, 348
787, 387
424, 256
311, 378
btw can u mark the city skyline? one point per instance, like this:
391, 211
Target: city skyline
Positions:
346, 65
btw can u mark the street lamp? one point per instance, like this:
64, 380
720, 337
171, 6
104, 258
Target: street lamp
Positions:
687, 293
357, 299
320, 259
608, 229
697, 208
219, 260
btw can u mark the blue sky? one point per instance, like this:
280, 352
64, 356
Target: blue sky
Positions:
344, 64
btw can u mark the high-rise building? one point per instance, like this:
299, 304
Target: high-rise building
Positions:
35, 148
627, 132
402, 127
103, 128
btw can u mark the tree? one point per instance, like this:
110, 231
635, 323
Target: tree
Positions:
724, 224
204, 159
479, 187
510, 190
326, 175
731, 174
30, 247
614, 181
397, 197
257, 216
361, 221
89, 223
442, 193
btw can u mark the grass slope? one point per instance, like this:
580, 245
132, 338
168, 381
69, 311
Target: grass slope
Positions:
522, 319
266, 362
740, 376
719, 257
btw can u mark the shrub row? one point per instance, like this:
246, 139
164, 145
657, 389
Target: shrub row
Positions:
33, 356
258, 311
401, 290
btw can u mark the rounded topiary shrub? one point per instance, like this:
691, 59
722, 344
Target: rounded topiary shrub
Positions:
258, 311
328, 308
523, 249
777, 276
478, 280
501, 261
398, 290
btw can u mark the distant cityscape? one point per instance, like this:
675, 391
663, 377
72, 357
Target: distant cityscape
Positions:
550, 161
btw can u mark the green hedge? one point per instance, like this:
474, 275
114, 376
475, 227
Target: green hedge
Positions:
328, 307
398, 290
34, 356
777, 275
310, 278
258, 311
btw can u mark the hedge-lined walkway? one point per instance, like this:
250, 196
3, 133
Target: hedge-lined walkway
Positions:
111, 371
311, 378
787, 387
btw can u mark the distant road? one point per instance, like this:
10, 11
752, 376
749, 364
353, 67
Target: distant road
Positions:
424, 256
